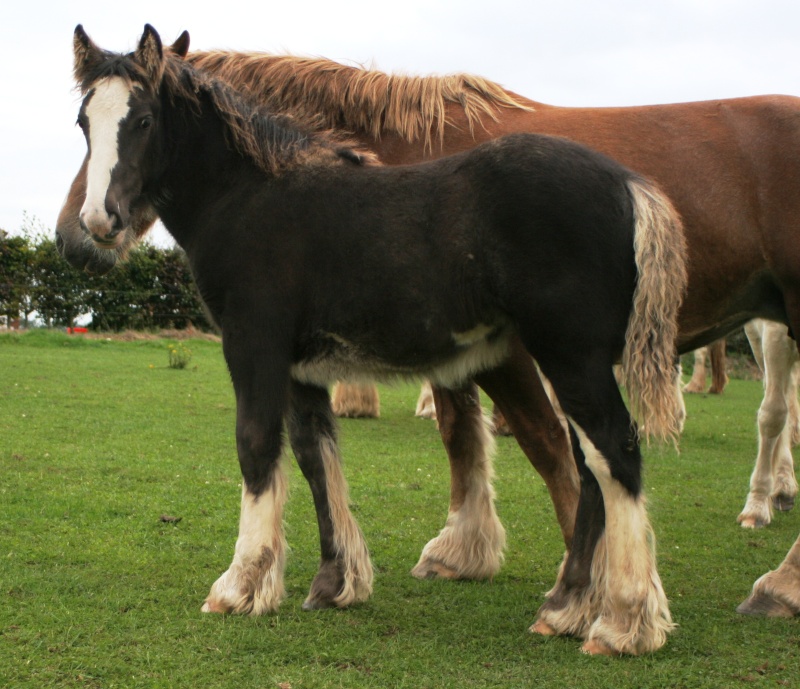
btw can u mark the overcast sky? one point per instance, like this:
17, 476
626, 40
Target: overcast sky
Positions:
574, 52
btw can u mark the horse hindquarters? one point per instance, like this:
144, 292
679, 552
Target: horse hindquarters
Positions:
610, 592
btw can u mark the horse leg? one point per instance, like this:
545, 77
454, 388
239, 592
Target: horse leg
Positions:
517, 390
777, 593
470, 546
621, 600
426, 408
345, 572
253, 584
719, 374
356, 401
776, 355
697, 383
572, 604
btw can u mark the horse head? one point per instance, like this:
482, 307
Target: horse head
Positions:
105, 213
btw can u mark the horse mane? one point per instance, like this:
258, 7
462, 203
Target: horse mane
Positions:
274, 142
357, 99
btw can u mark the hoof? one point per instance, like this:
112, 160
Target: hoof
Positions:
542, 628
212, 606
752, 522
593, 647
317, 604
761, 605
783, 502
430, 569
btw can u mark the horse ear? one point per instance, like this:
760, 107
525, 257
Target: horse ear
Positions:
86, 53
181, 46
150, 55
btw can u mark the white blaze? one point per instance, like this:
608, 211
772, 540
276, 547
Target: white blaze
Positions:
104, 111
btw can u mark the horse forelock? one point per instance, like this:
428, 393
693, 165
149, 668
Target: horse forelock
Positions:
357, 99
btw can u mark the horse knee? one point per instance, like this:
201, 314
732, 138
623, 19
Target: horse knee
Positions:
772, 416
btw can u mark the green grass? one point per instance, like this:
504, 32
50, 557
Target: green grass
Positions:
99, 439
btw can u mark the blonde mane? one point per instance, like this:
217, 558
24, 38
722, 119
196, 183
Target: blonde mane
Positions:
336, 96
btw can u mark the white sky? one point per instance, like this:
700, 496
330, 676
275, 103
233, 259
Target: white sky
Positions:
573, 52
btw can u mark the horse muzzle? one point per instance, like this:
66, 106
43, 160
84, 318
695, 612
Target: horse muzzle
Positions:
105, 229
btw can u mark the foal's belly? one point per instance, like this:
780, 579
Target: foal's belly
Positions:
449, 365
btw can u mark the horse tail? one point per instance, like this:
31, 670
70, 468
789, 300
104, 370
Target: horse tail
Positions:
648, 362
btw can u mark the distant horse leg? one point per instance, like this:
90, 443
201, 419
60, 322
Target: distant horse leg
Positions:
470, 546
356, 400
345, 573
697, 383
518, 391
624, 600
777, 593
772, 480
719, 374
426, 408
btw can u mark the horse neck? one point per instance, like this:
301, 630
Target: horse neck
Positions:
198, 163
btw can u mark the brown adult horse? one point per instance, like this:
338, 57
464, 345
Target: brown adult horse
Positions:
726, 167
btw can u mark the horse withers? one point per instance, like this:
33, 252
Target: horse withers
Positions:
527, 236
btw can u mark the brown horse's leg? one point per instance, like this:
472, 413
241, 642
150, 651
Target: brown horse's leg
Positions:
777, 593
470, 546
517, 390
698, 380
356, 401
719, 376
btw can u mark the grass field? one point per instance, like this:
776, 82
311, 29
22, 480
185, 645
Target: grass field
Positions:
99, 440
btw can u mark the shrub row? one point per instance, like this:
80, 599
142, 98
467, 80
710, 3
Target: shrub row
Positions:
153, 289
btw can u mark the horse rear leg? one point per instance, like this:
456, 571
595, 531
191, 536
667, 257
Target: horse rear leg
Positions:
719, 373
471, 544
345, 572
619, 605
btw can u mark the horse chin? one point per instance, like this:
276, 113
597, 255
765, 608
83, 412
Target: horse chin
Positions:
85, 255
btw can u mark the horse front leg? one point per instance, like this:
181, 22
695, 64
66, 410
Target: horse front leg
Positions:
345, 572
471, 544
772, 480
253, 584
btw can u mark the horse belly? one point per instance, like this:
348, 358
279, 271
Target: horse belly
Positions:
449, 364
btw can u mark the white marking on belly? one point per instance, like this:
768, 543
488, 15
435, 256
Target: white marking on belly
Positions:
475, 353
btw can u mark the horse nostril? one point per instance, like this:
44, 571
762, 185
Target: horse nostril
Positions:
59, 243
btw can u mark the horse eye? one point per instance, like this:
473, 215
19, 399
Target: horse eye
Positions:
145, 123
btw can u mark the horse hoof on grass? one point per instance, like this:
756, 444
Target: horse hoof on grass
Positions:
783, 502
761, 605
593, 647
212, 606
542, 628
752, 522
317, 604
430, 569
